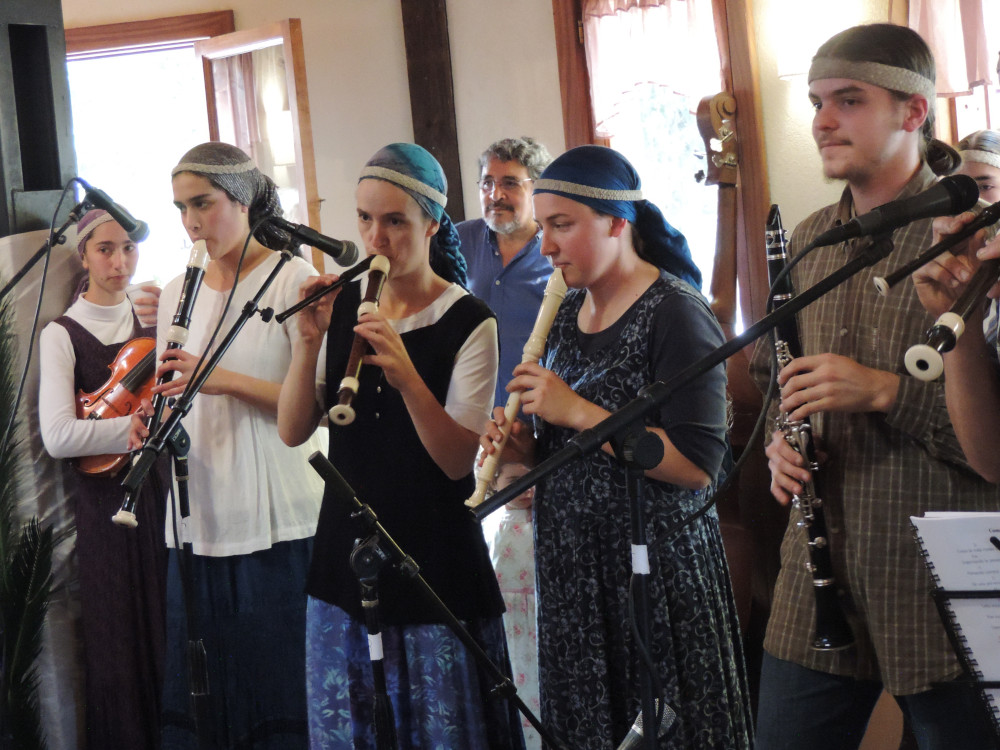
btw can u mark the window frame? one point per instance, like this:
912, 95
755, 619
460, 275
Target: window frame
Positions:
738, 58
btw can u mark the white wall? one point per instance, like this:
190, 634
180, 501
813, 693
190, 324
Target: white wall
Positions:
506, 79
788, 34
358, 90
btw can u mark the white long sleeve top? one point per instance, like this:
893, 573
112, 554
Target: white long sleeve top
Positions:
63, 434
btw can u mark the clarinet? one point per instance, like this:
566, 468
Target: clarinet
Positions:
832, 632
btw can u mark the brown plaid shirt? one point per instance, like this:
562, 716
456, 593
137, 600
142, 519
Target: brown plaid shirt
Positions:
882, 469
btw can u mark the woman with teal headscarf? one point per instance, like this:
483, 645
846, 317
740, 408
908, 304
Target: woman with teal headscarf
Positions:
424, 397
632, 315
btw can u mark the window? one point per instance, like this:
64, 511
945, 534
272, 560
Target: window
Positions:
735, 57
127, 144
138, 102
657, 132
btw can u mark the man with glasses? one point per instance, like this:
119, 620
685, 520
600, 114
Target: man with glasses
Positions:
506, 268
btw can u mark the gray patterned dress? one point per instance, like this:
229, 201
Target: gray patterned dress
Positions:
588, 668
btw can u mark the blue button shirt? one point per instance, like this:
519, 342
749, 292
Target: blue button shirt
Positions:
513, 292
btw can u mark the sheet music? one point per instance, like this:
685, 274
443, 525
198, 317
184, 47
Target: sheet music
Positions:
962, 551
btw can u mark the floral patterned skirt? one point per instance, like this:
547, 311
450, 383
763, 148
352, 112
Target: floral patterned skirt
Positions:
440, 698
512, 551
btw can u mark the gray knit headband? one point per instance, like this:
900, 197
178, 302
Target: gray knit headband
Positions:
877, 74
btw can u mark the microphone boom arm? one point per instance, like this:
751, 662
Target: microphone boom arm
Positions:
652, 396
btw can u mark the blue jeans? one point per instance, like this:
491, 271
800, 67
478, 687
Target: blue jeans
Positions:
801, 708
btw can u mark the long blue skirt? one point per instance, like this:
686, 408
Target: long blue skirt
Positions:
251, 616
439, 696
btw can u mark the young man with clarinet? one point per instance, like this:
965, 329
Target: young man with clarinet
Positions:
887, 447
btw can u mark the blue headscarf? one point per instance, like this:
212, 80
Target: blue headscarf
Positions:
412, 169
603, 179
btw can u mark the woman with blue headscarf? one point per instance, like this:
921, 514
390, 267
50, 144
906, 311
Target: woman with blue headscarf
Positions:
631, 317
424, 397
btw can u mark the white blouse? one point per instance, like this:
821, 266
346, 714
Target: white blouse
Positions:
248, 490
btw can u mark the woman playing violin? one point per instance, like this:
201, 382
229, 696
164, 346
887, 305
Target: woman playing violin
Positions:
122, 572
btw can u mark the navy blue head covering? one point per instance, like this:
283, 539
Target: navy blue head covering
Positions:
603, 179
412, 169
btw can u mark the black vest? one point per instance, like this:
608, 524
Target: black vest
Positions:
381, 457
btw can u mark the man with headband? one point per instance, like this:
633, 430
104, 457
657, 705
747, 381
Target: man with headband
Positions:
890, 450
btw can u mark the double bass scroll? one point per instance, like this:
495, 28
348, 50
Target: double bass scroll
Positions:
342, 412
534, 347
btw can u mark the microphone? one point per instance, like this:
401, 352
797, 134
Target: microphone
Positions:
343, 252
633, 739
137, 230
947, 197
141, 231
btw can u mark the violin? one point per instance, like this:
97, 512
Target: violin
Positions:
131, 381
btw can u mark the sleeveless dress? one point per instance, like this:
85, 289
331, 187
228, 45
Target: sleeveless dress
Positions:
588, 667
122, 576
439, 696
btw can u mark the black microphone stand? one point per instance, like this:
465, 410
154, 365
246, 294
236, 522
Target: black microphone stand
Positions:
619, 425
379, 548
166, 434
367, 560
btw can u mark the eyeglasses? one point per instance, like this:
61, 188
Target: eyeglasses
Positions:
506, 184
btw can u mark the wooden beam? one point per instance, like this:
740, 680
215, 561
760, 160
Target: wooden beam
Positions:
432, 91
574, 78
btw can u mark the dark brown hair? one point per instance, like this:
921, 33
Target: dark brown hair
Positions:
899, 47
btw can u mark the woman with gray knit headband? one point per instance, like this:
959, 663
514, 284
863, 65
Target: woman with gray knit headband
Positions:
254, 502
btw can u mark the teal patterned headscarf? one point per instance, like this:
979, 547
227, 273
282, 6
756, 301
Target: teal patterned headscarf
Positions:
412, 169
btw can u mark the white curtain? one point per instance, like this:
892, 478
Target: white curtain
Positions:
965, 40
670, 43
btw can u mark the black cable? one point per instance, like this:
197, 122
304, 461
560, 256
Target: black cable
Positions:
52, 240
